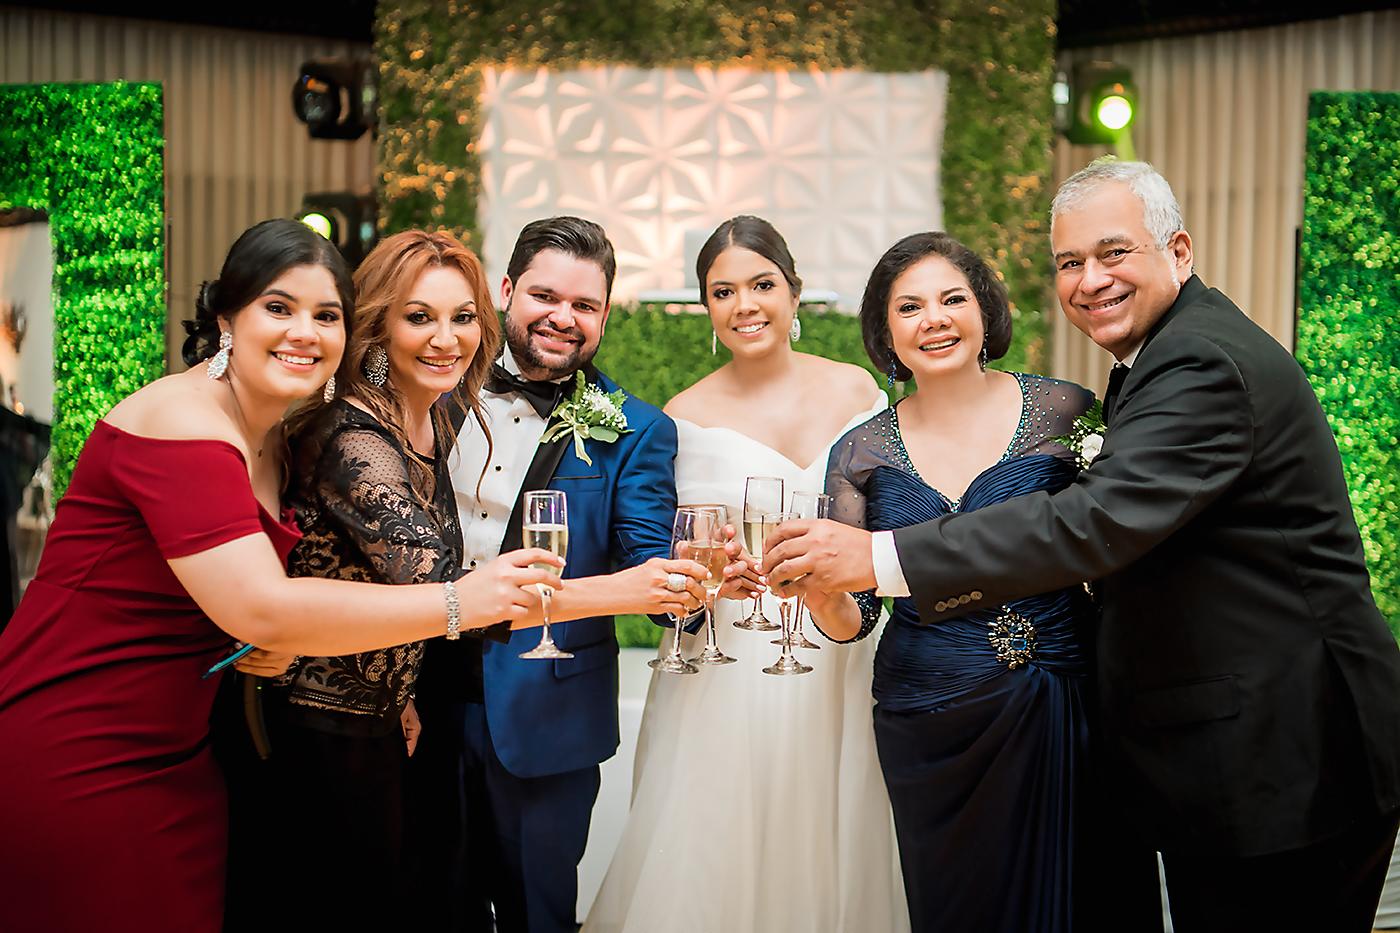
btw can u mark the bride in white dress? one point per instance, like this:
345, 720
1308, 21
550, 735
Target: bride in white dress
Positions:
758, 803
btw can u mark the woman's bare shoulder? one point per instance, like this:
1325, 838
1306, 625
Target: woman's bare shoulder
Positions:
694, 402
849, 380
183, 406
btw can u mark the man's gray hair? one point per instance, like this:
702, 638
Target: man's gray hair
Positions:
1160, 212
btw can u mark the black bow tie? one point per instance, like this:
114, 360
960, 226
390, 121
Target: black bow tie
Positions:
1115, 386
542, 396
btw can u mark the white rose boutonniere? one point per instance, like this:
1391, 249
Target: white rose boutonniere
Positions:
1085, 437
588, 414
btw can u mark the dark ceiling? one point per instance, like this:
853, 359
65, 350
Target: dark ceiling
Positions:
1082, 22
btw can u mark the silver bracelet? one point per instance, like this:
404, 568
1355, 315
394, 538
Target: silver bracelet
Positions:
454, 610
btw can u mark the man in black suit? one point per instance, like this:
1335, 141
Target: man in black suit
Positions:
1249, 685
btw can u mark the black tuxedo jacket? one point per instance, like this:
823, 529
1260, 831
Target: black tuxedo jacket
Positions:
1250, 687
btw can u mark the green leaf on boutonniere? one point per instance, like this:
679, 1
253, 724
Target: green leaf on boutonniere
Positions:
588, 414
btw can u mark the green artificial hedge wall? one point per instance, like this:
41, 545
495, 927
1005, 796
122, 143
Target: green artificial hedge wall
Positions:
1349, 309
996, 144
92, 157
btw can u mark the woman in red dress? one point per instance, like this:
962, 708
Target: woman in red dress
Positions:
168, 547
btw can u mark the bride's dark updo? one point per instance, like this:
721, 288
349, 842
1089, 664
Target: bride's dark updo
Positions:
753, 234
257, 258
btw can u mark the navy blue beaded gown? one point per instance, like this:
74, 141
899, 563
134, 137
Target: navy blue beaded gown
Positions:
980, 720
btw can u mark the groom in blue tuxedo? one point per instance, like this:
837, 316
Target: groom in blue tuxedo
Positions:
510, 745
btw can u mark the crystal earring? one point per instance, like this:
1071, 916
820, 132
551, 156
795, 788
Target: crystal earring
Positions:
218, 363
889, 380
795, 332
714, 342
328, 393
982, 357
376, 366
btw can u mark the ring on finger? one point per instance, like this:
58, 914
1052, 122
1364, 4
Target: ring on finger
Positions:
675, 581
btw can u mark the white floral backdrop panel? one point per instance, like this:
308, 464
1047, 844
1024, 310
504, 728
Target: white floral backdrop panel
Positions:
843, 163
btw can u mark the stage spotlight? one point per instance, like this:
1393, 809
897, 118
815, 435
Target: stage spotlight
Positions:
335, 99
323, 224
347, 220
1103, 106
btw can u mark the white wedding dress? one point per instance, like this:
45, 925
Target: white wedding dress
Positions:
757, 804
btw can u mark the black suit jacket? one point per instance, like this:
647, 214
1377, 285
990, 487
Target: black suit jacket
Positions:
1250, 687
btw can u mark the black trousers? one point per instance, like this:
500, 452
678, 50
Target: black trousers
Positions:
1331, 886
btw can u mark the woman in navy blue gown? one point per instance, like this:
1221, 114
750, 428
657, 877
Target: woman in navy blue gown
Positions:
980, 720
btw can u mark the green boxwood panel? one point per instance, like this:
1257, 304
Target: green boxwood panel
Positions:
1349, 309
92, 157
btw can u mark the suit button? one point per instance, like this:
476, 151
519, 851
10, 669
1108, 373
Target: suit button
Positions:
472, 565
976, 594
964, 599
483, 514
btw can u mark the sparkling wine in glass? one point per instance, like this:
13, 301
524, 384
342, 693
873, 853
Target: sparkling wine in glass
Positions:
806, 505
786, 663
707, 548
682, 541
763, 495
546, 525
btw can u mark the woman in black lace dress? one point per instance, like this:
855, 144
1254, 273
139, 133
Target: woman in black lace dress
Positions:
374, 501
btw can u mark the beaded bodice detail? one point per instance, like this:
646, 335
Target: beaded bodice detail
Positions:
366, 516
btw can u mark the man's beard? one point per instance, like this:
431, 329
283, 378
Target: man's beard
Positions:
518, 339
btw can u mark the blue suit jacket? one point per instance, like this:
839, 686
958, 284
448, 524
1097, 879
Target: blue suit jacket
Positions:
549, 717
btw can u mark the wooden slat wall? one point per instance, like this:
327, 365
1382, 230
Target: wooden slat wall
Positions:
1223, 117
235, 153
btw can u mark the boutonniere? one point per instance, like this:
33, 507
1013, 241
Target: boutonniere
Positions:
1085, 437
588, 414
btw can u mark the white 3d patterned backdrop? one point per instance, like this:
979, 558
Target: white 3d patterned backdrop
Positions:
843, 163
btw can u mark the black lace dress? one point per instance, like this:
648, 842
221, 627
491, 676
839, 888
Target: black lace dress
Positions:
335, 779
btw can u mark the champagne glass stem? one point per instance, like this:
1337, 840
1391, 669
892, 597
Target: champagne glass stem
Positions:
710, 637
544, 600
676, 639
785, 613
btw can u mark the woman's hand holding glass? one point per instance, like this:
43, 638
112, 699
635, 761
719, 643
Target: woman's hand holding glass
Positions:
507, 588
741, 579
644, 588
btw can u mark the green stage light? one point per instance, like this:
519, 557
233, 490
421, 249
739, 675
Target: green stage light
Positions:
321, 223
1102, 106
1114, 111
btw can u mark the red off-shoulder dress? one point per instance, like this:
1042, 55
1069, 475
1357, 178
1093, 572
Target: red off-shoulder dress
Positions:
112, 810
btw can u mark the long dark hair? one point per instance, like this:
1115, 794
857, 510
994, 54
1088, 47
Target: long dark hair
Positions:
751, 233
986, 288
262, 253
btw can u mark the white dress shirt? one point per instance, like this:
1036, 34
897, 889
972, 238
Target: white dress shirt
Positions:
889, 573
516, 429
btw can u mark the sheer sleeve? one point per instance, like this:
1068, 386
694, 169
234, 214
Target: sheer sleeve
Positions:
1052, 405
845, 484
364, 483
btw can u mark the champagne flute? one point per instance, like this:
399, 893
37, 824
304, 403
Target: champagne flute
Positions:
546, 525
763, 495
786, 663
708, 549
806, 505
683, 529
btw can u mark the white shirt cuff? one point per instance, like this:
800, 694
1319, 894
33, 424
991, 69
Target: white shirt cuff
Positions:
889, 575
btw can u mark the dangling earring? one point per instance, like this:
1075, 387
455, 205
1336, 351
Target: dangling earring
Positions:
328, 393
982, 357
889, 381
376, 366
714, 342
795, 332
218, 363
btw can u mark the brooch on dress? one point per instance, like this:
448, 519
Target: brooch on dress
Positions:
1013, 637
